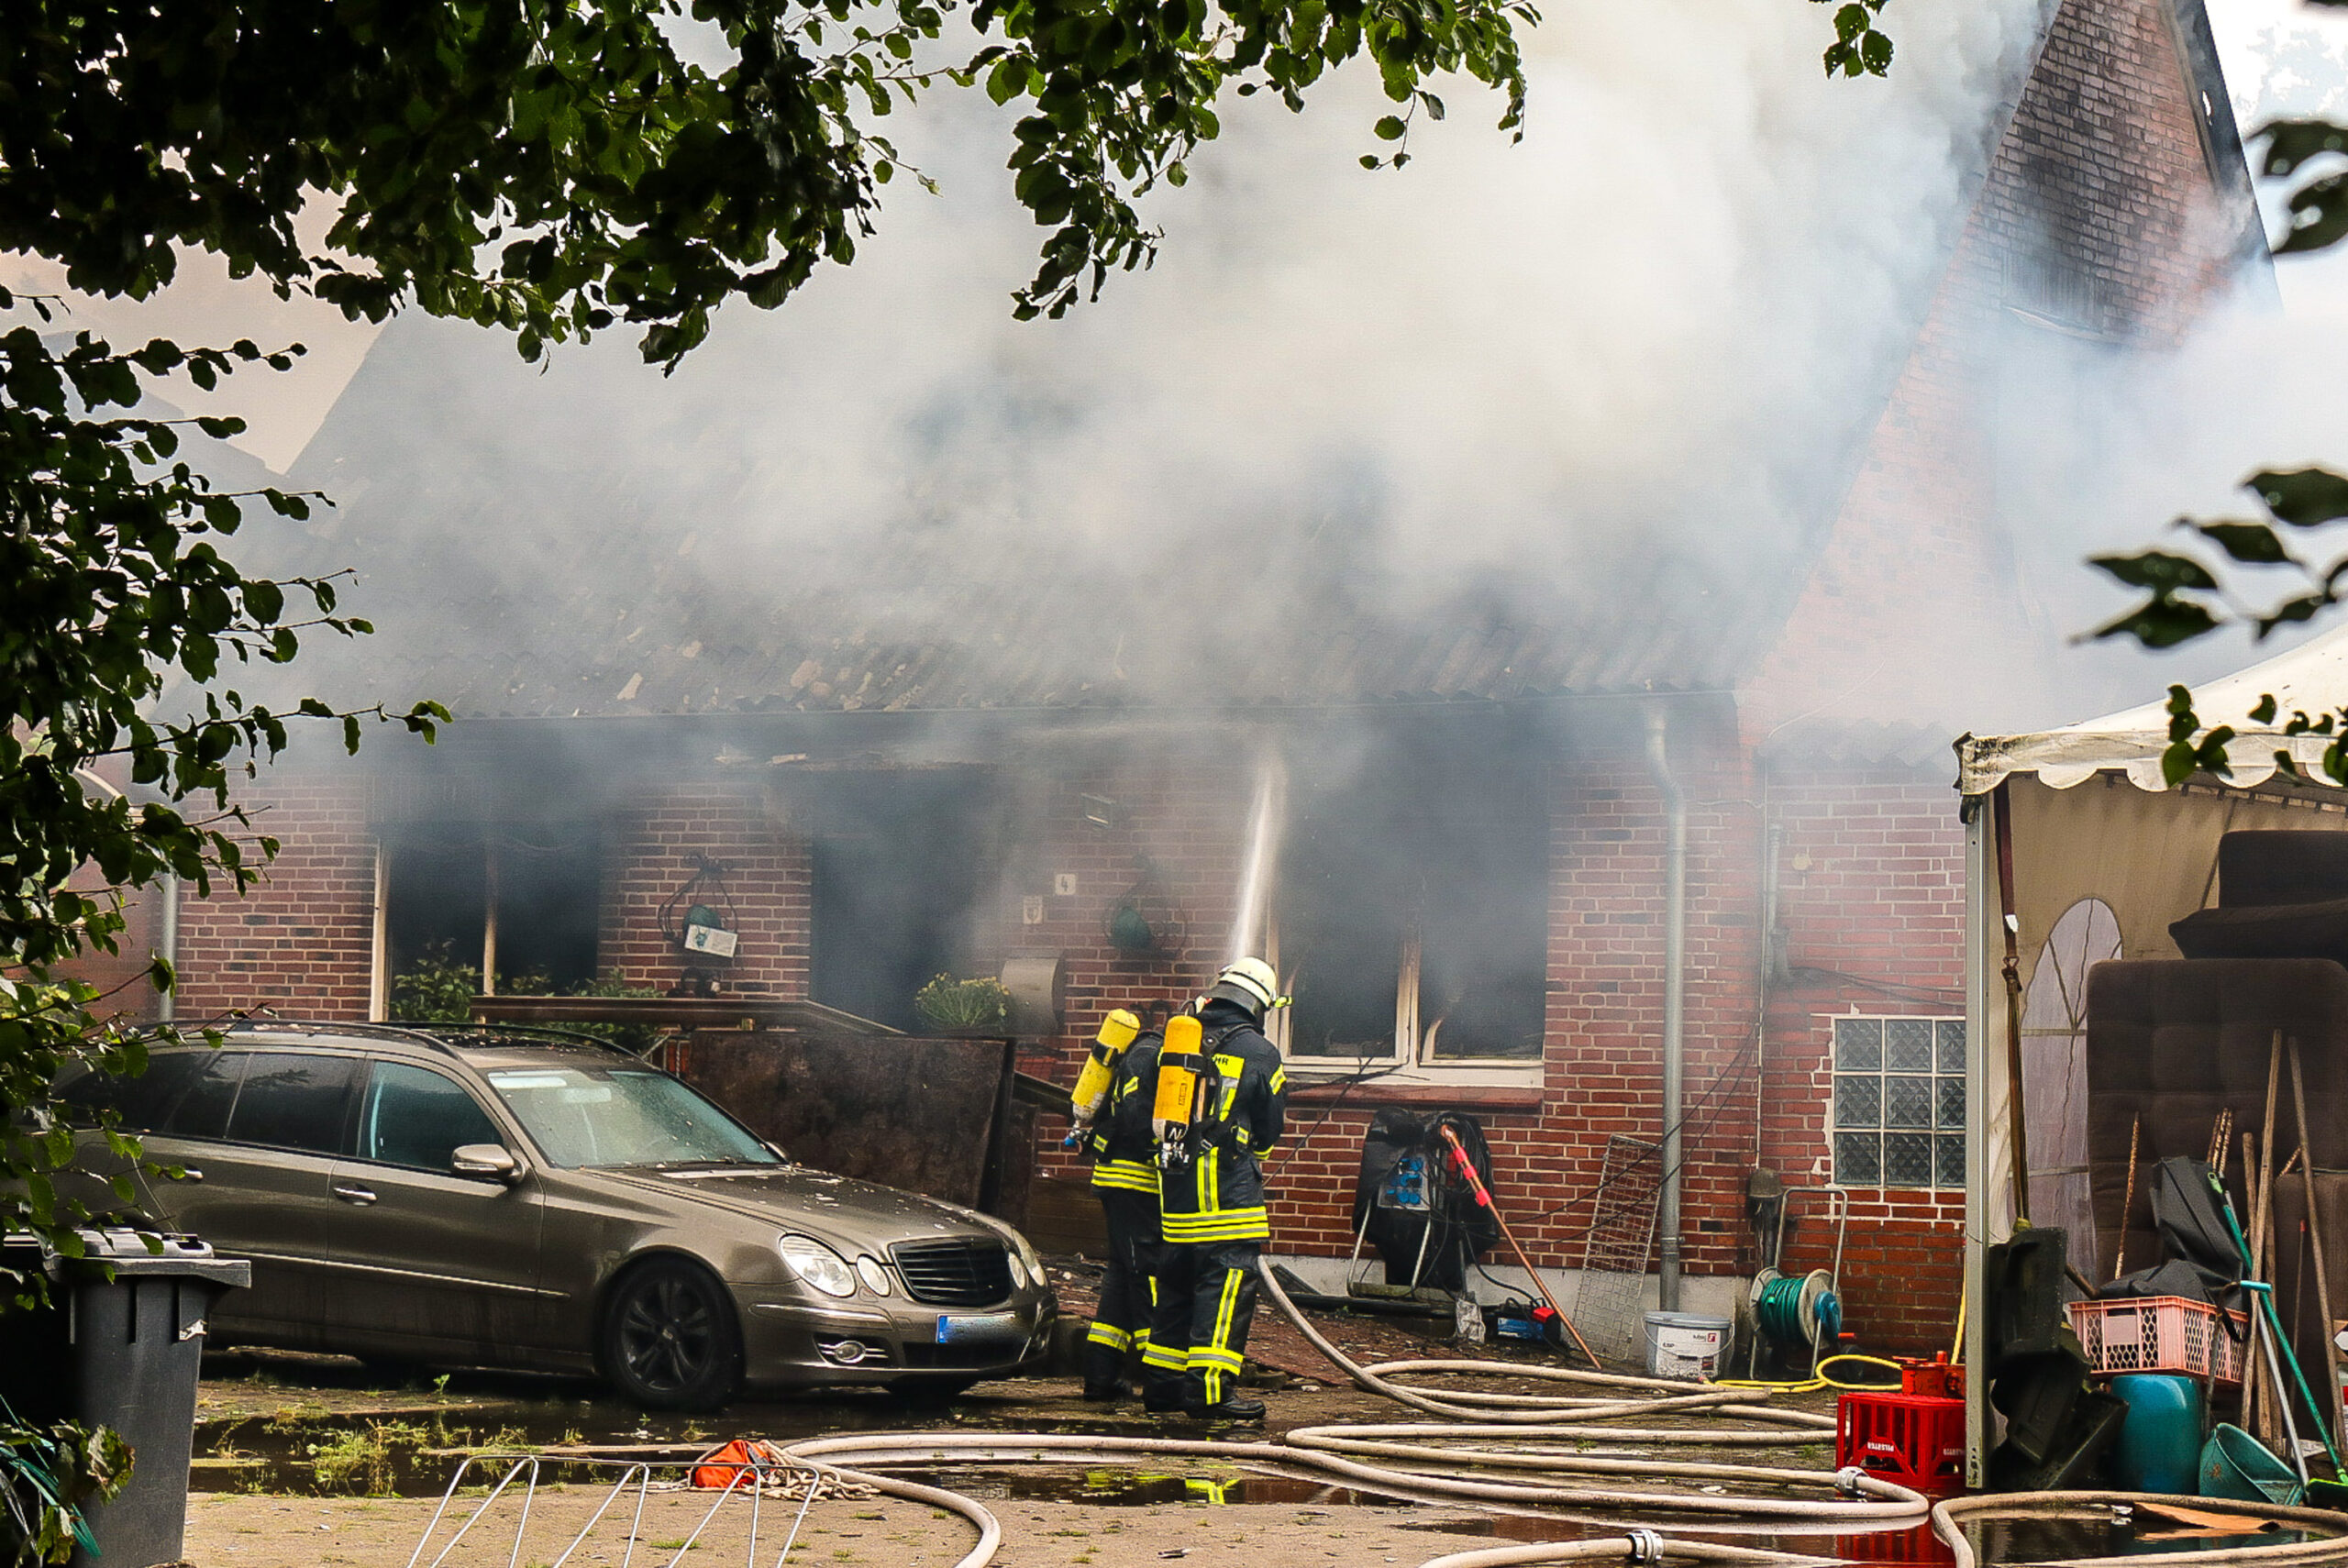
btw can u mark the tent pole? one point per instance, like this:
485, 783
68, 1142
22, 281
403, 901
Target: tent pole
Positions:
2018, 1130
1973, 1331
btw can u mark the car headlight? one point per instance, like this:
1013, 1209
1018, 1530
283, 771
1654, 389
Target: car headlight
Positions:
818, 1264
1026, 1252
875, 1277
1018, 1268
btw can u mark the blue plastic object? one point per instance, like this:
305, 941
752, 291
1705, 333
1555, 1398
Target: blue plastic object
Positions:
2236, 1464
2159, 1447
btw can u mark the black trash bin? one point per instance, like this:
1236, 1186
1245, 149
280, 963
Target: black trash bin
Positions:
124, 1354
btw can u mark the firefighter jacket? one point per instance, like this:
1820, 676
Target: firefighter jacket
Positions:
1219, 1196
1124, 1155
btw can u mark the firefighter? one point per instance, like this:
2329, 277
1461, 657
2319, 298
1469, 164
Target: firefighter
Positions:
1210, 1200
1124, 1178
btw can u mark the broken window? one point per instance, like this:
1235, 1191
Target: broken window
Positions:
897, 861
516, 902
1413, 906
1898, 1110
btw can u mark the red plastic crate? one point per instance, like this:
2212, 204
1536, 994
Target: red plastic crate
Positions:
1916, 1439
2159, 1333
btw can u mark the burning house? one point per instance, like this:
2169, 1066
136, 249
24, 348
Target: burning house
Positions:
1668, 856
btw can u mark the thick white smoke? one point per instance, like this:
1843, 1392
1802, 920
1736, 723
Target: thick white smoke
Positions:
1658, 326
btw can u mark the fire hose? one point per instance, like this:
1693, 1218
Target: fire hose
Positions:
1451, 1460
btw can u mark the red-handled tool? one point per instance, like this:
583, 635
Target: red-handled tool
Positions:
1484, 1200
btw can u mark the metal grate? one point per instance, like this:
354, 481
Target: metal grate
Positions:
1608, 1301
954, 1274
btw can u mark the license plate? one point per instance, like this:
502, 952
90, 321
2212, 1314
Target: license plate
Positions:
991, 1326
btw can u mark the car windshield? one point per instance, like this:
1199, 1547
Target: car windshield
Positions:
583, 1116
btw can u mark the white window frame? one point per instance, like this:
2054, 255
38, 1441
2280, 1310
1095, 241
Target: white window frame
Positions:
1940, 1071
1410, 1061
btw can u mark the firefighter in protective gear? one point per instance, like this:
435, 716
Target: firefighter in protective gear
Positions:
1124, 1178
1210, 1202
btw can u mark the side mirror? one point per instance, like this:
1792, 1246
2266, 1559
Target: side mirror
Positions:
486, 1160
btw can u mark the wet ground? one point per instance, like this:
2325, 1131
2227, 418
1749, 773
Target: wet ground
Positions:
302, 1459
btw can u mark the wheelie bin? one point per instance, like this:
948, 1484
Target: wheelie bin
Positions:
122, 1353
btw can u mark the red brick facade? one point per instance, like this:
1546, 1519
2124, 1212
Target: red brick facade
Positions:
653, 845
302, 942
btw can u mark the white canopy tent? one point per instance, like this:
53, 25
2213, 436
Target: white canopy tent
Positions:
2101, 856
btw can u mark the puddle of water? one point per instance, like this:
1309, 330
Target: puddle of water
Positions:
1109, 1487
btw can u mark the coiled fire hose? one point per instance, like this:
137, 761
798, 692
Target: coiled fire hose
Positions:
1453, 1460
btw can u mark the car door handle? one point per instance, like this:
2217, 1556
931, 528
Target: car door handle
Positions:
354, 1194
190, 1174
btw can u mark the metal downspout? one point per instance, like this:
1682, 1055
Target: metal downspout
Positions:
1675, 994
167, 1004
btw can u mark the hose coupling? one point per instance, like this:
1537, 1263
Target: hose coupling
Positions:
1847, 1479
1646, 1546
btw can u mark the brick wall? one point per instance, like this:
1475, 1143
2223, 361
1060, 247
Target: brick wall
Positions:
2100, 180
1871, 886
302, 942
651, 845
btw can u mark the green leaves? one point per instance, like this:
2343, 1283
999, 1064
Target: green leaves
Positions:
2304, 498
1860, 48
2186, 598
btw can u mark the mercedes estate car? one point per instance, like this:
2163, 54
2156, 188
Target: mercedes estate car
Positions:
434, 1197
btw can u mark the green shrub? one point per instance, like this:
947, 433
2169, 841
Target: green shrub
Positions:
948, 1003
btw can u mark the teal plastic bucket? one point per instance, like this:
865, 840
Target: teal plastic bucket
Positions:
2159, 1447
2236, 1464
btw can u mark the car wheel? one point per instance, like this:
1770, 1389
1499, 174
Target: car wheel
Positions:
669, 1341
930, 1390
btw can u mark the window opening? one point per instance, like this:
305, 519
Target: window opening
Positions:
897, 861
1898, 1114
1413, 906
516, 902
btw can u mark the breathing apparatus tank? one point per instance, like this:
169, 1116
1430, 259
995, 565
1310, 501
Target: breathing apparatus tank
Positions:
1178, 1062
1117, 1031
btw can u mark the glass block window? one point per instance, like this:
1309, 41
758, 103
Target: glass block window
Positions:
1898, 1113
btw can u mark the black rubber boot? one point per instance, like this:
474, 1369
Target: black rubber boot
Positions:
1163, 1398
1233, 1408
1104, 1374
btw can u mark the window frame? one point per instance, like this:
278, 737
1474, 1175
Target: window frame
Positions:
1407, 1060
1946, 1066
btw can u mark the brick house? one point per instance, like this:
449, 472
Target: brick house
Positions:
1467, 879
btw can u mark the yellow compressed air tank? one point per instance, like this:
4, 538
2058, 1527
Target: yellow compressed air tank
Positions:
1177, 1082
1117, 1031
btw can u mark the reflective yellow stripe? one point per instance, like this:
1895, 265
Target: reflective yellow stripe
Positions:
1125, 1175
1223, 1307
1279, 1079
1163, 1358
1229, 1225
1110, 1335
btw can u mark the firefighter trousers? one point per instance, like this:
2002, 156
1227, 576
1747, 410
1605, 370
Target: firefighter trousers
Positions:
1206, 1302
1128, 1289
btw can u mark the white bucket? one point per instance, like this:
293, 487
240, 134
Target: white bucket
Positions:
1683, 1345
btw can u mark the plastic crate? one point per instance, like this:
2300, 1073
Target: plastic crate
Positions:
1916, 1439
2160, 1333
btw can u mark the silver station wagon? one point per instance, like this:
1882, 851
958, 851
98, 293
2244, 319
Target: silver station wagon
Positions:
440, 1198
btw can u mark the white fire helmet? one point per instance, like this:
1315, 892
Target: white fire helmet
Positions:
1250, 982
